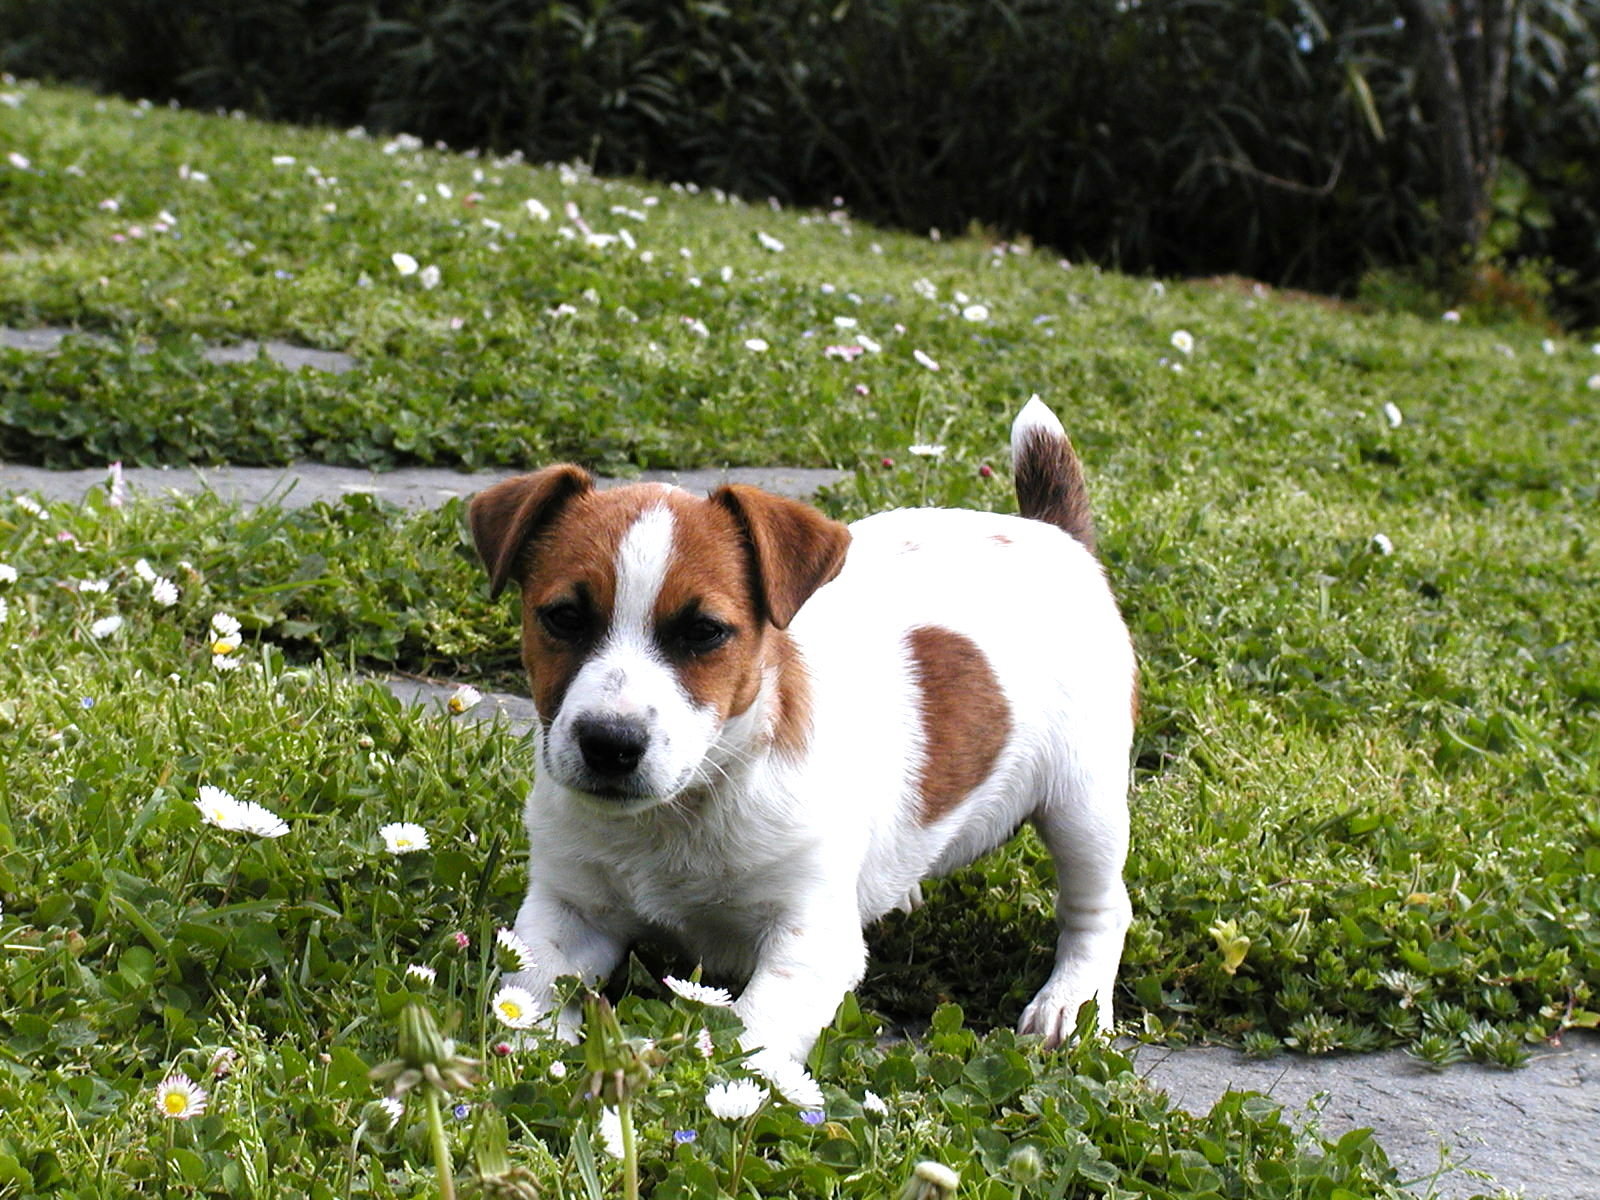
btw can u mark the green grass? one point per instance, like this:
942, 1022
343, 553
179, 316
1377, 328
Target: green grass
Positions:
1364, 811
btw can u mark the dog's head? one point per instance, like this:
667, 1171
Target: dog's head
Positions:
651, 620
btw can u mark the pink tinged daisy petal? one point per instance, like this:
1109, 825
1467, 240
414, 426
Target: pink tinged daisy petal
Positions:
714, 997
704, 1044
179, 1098
925, 360
515, 1008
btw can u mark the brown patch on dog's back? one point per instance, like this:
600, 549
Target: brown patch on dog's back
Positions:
965, 717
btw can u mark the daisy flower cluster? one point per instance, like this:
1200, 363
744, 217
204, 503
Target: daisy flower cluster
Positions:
218, 807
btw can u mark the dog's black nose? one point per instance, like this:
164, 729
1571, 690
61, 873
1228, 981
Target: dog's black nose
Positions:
611, 746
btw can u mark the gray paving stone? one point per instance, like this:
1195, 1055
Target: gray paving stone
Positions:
1536, 1129
411, 487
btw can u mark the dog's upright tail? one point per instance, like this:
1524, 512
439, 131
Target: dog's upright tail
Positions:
1048, 476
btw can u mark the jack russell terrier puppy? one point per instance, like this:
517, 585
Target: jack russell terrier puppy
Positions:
759, 728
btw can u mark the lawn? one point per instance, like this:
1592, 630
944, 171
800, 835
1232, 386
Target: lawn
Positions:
1356, 546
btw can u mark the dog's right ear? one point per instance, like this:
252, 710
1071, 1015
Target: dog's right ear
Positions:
505, 518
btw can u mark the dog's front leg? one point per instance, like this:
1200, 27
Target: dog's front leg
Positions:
807, 962
563, 942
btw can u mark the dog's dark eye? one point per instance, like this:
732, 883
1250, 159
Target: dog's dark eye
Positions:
564, 621
700, 635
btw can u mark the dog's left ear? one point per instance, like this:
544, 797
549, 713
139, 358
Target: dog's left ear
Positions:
505, 518
794, 548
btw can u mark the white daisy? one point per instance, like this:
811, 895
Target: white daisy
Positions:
536, 210
178, 1098
1183, 341
1392, 414
768, 242
97, 586
421, 973
429, 277
926, 450
463, 698
144, 570
8, 573
521, 953
404, 837
515, 1007
873, 1103
868, 344
925, 360
5, 610
29, 505
218, 807
938, 1174
403, 262
756, 345
713, 996
106, 626
1452, 317
223, 663
1381, 543
976, 312
164, 592
611, 1131
262, 822
793, 1081
735, 1101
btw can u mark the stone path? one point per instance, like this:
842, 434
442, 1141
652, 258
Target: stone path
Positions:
1536, 1130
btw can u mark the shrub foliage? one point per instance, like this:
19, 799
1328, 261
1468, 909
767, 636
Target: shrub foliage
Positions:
1277, 138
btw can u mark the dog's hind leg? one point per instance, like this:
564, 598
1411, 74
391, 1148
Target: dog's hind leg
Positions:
1084, 824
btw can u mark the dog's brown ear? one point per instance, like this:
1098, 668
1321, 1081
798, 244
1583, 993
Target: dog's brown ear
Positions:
794, 548
506, 517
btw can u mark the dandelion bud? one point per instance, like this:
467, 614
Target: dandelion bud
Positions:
1025, 1165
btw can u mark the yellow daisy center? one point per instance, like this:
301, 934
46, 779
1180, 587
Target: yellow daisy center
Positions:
174, 1104
511, 1010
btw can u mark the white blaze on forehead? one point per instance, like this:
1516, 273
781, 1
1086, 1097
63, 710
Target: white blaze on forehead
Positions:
642, 561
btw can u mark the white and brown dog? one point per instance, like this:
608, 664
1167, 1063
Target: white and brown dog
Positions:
759, 729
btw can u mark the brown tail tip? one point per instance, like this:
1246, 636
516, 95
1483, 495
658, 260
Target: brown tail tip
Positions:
1048, 476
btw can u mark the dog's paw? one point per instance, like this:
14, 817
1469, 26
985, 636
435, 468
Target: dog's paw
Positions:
1053, 1015
913, 900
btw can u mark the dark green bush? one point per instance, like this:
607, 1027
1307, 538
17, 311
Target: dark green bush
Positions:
1271, 138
